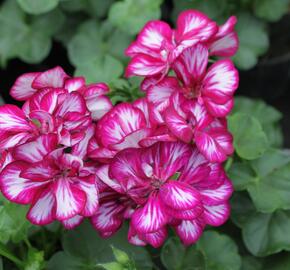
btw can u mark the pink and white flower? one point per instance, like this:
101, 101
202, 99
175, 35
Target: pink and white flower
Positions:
169, 184
157, 45
94, 94
225, 42
189, 121
55, 182
213, 87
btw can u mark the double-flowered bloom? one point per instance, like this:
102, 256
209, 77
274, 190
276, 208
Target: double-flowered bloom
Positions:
156, 162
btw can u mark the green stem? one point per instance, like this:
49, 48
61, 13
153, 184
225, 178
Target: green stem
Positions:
5, 252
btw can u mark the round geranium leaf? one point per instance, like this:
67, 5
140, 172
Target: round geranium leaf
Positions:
37, 6
250, 141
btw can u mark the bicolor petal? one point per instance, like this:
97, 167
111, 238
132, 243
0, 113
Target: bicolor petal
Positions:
179, 196
22, 88
54, 77
151, 217
42, 210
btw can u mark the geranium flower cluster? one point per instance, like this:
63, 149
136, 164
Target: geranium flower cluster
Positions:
156, 162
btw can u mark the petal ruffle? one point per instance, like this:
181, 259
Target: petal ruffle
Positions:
69, 199
54, 77
42, 210
22, 88
151, 217
18, 189
179, 196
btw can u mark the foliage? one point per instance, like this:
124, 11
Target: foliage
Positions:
258, 234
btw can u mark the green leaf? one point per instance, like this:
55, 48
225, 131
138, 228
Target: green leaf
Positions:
94, 53
86, 249
251, 263
37, 6
266, 234
175, 256
31, 38
112, 266
277, 262
105, 69
271, 161
61, 261
35, 47
257, 108
49, 23
274, 134
130, 16
250, 141
242, 208
241, 174
220, 251
272, 191
212, 8
13, 223
203, 255
95, 8
253, 38
271, 10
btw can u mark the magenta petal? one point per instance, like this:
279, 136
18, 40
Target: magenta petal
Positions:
92, 196
151, 217
96, 90
132, 140
226, 46
215, 144
72, 222
73, 84
81, 148
54, 77
145, 65
9, 141
127, 170
221, 77
196, 168
13, 119
179, 196
178, 125
218, 195
122, 120
185, 214
73, 102
134, 238
69, 199
22, 89
42, 209
159, 93
36, 150
167, 158
103, 174
216, 215
189, 231
153, 34
108, 218
193, 26
219, 110
40, 170
191, 64
155, 239
98, 106
18, 189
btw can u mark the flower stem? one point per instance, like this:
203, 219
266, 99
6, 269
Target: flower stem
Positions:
5, 252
